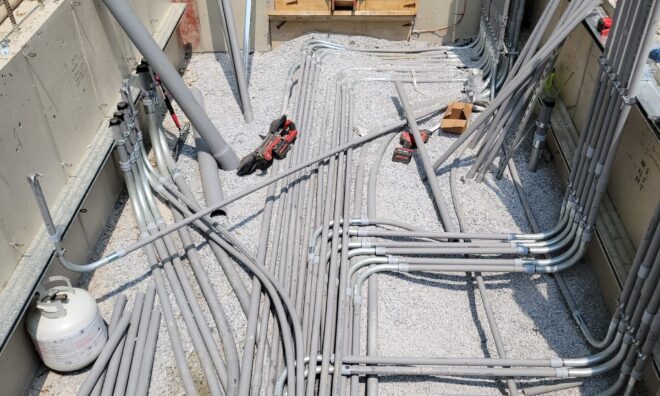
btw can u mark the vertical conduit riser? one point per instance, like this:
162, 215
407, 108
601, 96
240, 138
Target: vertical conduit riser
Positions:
230, 33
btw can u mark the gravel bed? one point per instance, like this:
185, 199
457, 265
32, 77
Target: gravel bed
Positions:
419, 315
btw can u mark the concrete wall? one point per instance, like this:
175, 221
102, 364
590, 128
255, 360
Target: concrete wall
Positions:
634, 188
58, 86
431, 14
66, 64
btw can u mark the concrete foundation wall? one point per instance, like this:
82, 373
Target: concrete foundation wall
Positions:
207, 35
59, 85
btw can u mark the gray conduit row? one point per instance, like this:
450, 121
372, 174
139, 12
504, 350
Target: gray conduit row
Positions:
118, 365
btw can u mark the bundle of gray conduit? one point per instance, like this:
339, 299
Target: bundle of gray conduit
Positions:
125, 363
327, 247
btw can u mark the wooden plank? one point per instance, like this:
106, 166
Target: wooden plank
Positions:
302, 5
296, 15
365, 8
387, 5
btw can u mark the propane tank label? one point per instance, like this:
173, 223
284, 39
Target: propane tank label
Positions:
77, 349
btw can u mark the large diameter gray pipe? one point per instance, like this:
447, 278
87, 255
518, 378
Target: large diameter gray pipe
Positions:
131, 24
208, 167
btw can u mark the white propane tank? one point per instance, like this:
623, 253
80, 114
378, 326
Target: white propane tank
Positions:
66, 327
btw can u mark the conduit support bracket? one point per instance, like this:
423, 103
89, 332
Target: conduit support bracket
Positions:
607, 69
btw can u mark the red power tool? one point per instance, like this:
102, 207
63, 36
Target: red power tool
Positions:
404, 153
407, 141
604, 26
276, 144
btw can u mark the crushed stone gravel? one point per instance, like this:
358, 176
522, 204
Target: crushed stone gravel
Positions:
419, 314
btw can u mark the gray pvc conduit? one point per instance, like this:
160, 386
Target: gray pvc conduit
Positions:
247, 23
230, 33
200, 333
208, 167
131, 24
273, 288
262, 336
229, 376
129, 347
127, 168
104, 357
118, 309
146, 366
198, 340
509, 88
208, 291
141, 340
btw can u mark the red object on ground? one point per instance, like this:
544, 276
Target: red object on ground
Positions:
604, 26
